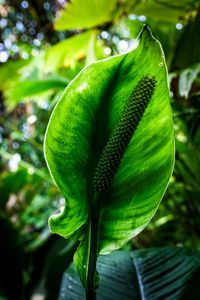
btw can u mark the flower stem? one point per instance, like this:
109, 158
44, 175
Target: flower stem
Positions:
93, 248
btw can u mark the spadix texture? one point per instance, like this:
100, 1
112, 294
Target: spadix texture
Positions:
122, 133
79, 130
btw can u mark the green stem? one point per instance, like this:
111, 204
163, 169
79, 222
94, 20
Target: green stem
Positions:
93, 248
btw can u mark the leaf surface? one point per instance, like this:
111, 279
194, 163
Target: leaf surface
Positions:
171, 12
66, 53
187, 78
163, 273
85, 14
78, 131
28, 88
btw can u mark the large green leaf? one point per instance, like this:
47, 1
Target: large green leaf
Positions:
80, 14
78, 131
153, 274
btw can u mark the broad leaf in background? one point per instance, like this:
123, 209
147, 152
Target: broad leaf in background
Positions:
21, 90
10, 75
12, 71
145, 274
80, 14
187, 78
174, 11
22, 80
77, 133
91, 55
65, 54
191, 54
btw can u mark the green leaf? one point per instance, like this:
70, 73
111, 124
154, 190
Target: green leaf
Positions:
80, 14
145, 274
189, 41
22, 80
169, 11
28, 88
65, 54
11, 71
80, 128
187, 78
91, 55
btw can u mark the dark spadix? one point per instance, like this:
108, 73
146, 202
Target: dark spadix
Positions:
117, 144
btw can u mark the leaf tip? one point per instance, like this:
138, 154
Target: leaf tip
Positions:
146, 29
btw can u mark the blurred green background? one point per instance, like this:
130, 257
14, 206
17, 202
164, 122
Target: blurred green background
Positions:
43, 46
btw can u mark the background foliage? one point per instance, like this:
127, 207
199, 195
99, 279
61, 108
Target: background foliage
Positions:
43, 45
